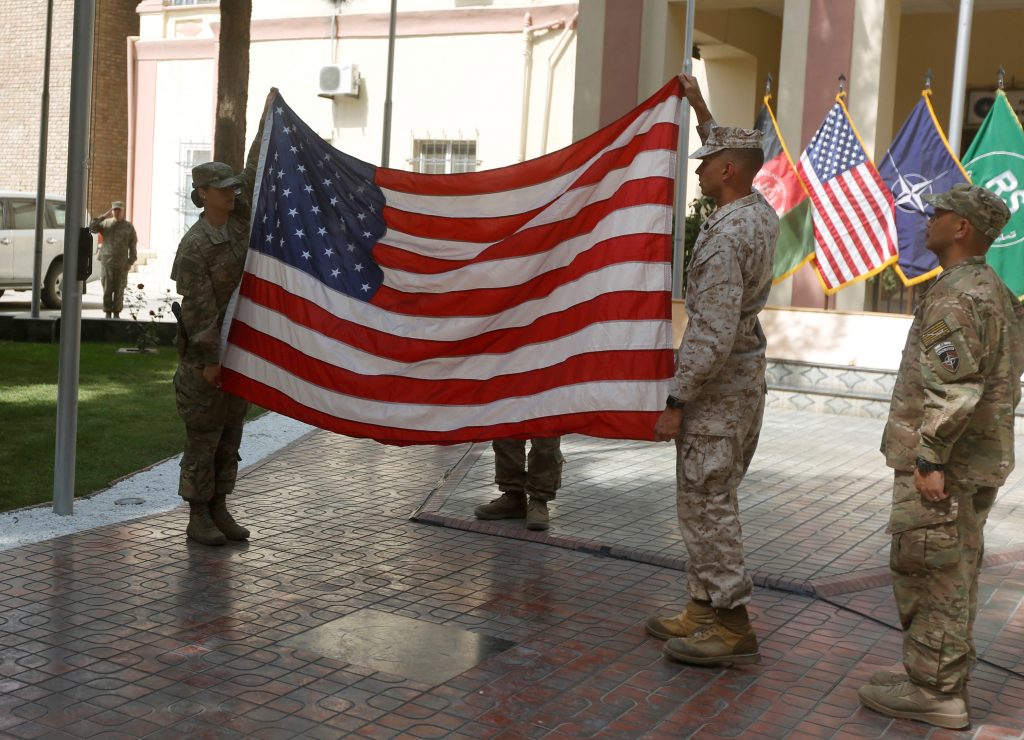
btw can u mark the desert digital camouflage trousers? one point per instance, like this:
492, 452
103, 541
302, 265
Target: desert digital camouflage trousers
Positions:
539, 475
709, 469
935, 557
213, 433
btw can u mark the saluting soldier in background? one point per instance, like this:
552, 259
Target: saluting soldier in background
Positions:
117, 255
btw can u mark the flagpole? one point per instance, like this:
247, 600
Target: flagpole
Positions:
963, 47
679, 245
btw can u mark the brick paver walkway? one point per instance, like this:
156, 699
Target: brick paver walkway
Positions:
325, 623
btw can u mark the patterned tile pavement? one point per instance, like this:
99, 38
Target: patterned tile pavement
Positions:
129, 631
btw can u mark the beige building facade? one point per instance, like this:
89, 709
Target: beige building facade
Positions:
477, 85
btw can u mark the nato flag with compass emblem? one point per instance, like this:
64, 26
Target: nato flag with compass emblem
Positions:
918, 162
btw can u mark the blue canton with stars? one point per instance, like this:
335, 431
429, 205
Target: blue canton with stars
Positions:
318, 209
834, 148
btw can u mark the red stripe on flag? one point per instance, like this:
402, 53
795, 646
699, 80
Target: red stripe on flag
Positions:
527, 173
607, 424
620, 306
487, 301
866, 219
844, 201
661, 136
534, 240
609, 365
823, 219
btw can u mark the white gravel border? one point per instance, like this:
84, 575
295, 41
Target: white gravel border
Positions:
156, 486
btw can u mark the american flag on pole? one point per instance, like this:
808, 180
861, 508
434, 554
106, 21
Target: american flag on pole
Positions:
526, 301
853, 214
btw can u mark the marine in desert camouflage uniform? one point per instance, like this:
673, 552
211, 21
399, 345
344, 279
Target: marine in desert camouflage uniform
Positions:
716, 403
949, 439
118, 254
207, 269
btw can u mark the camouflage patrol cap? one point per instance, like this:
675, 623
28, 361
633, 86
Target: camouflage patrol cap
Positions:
214, 175
116, 205
984, 209
728, 137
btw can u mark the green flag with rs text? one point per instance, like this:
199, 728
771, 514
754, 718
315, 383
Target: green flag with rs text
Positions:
995, 160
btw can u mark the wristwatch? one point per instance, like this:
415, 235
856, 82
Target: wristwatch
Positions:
674, 403
925, 467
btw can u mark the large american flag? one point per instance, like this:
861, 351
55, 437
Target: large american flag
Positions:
527, 301
853, 214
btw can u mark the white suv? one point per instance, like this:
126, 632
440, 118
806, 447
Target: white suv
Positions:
17, 245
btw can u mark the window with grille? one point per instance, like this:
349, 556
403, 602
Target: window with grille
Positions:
192, 153
441, 156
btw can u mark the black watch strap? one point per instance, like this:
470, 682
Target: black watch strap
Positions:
674, 403
925, 467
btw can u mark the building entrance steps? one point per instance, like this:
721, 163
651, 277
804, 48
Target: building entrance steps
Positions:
130, 630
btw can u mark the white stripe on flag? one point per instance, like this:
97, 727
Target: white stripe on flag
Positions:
608, 336
651, 219
522, 200
570, 399
629, 276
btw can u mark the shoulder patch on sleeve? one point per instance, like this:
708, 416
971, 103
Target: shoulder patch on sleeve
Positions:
934, 333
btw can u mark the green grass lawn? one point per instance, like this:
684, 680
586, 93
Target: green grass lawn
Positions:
126, 418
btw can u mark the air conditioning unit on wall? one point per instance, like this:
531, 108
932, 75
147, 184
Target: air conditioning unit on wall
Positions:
339, 79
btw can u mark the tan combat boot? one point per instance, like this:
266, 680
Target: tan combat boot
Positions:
201, 527
729, 640
697, 614
224, 521
891, 678
537, 517
907, 700
509, 505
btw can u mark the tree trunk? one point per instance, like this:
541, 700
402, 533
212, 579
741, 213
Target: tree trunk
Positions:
232, 82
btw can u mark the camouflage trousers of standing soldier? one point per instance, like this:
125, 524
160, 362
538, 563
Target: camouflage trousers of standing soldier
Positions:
538, 475
115, 280
935, 556
213, 433
709, 469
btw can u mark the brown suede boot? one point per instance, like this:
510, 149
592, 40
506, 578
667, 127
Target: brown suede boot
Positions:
697, 614
729, 640
224, 521
201, 527
891, 678
537, 517
907, 700
509, 505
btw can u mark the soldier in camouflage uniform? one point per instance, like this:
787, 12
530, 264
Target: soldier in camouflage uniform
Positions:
527, 485
949, 439
207, 269
118, 255
716, 401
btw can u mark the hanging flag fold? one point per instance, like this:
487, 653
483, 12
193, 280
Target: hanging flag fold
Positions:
852, 209
780, 184
528, 301
995, 160
919, 162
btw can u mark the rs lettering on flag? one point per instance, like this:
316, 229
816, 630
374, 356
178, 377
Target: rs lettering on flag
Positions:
527, 301
853, 212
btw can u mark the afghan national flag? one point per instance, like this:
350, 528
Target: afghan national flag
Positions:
919, 162
780, 184
527, 301
995, 160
